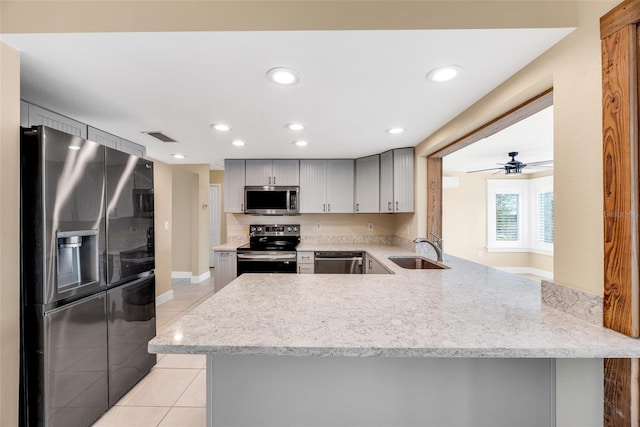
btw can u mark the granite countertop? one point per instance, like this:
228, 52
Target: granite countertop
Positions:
467, 311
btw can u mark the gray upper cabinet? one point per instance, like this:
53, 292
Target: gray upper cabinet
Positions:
272, 172
234, 182
326, 186
403, 180
386, 182
396, 181
24, 114
115, 142
368, 184
39, 116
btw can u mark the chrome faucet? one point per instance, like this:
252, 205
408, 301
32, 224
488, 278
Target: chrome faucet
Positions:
438, 245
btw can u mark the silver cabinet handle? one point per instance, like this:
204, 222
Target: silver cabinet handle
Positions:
370, 265
274, 180
269, 180
329, 207
357, 207
397, 206
324, 207
389, 206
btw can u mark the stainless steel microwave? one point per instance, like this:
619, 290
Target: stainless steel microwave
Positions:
271, 200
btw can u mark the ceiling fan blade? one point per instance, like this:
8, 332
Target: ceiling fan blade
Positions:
542, 162
540, 166
485, 170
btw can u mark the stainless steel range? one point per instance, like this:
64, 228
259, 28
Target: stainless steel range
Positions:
271, 249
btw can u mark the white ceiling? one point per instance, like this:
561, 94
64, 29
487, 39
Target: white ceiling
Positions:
532, 138
354, 85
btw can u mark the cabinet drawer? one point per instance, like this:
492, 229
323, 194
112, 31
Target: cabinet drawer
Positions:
305, 257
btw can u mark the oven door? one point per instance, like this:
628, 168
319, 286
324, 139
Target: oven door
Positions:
267, 262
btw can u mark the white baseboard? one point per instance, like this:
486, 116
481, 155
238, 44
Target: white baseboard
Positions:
200, 278
528, 270
161, 299
180, 274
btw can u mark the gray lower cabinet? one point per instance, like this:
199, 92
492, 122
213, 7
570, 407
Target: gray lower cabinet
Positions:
373, 266
224, 268
305, 262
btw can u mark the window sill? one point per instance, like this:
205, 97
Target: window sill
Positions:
518, 250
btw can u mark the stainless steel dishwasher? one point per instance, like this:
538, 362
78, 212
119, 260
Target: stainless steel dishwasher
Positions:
338, 262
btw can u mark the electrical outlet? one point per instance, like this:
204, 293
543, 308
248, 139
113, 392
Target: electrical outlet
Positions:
166, 225
370, 226
240, 225
317, 226
479, 254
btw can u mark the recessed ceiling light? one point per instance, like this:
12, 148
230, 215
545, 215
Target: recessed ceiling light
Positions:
444, 74
283, 76
178, 156
394, 131
301, 143
295, 126
238, 143
221, 127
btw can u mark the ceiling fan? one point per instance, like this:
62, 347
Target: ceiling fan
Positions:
516, 166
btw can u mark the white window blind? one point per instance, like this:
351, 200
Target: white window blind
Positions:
507, 217
545, 217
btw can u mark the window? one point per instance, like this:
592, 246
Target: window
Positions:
545, 217
520, 215
507, 217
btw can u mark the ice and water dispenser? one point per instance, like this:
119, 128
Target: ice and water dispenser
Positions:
77, 259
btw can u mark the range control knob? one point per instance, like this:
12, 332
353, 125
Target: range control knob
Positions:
259, 228
295, 228
289, 229
252, 229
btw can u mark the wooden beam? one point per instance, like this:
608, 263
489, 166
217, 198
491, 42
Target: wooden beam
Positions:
626, 13
620, 158
434, 196
522, 111
621, 392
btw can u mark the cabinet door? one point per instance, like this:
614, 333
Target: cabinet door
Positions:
225, 269
39, 116
339, 180
286, 172
103, 138
234, 175
386, 182
368, 184
403, 180
313, 186
24, 114
375, 267
259, 172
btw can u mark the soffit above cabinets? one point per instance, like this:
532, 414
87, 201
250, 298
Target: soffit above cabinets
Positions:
354, 85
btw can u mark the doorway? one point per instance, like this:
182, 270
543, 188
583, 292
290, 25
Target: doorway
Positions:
214, 219
468, 192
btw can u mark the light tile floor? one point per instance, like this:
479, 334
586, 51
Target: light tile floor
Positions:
173, 393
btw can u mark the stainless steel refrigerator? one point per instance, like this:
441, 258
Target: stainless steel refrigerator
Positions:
82, 321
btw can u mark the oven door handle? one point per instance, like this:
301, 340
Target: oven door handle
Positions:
248, 257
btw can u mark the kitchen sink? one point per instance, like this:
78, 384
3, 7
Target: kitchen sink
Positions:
417, 263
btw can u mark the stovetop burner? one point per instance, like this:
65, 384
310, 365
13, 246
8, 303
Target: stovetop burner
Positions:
272, 237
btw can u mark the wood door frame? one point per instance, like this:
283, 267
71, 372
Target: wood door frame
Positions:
621, 177
434, 160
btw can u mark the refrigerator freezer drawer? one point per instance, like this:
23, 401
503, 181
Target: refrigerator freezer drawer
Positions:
131, 325
75, 358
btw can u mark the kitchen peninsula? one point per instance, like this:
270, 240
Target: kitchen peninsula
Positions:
469, 345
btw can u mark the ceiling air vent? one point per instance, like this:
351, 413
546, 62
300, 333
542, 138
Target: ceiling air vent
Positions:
159, 136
